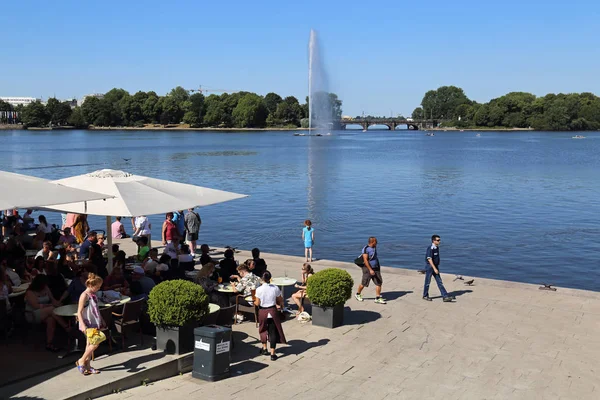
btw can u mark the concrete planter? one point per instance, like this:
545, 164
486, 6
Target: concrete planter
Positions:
175, 340
328, 317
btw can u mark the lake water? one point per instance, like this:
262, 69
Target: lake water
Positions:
515, 206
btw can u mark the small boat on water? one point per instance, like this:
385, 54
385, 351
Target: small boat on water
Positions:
578, 137
299, 134
430, 134
478, 135
364, 130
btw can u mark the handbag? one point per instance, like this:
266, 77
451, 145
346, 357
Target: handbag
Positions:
360, 261
94, 336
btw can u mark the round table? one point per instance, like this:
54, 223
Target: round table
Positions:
70, 310
213, 308
225, 288
282, 282
19, 290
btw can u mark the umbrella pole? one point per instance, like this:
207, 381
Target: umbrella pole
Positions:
109, 265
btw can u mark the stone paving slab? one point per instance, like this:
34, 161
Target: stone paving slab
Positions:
499, 340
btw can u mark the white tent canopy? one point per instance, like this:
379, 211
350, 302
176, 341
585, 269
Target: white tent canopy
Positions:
136, 195
24, 191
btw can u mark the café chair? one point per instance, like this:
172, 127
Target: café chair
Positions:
242, 305
225, 318
129, 320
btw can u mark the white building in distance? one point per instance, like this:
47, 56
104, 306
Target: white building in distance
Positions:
15, 101
83, 99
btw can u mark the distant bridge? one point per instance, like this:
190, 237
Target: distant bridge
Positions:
391, 123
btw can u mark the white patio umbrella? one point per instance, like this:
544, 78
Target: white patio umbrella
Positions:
136, 195
24, 191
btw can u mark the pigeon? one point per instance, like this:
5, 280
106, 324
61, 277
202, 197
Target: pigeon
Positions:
421, 271
459, 277
470, 282
547, 286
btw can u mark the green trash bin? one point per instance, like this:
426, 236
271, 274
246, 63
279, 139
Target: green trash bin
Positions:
212, 352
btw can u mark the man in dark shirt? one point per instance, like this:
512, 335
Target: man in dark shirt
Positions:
84, 249
260, 266
432, 258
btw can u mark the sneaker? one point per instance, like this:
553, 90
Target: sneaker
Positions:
263, 352
448, 299
427, 298
359, 297
380, 300
273, 357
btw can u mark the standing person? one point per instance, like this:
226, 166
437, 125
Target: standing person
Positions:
192, 226
432, 258
308, 235
179, 221
90, 322
143, 228
269, 300
371, 271
118, 229
169, 229
44, 227
80, 227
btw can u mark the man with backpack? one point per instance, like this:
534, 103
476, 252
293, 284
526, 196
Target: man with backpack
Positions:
371, 271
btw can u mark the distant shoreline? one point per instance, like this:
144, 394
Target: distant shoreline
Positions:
275, 129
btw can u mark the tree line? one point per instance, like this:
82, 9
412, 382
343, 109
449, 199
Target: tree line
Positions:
228, 110
552, 112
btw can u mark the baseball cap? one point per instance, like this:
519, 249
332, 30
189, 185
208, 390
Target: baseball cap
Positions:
138, 270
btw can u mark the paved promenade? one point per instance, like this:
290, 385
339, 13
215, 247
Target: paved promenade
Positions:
499, 340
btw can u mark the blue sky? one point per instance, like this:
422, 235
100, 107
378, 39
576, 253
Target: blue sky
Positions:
381, 56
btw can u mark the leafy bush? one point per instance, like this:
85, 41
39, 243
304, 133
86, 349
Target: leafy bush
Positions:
177, 303
329, 287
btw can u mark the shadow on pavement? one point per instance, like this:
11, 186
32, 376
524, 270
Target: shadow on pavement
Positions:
455, 293
395, 295
300, 346
359, 317
246, 367
132, 365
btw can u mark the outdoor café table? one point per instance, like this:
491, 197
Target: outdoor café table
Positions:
282, 283
225, 288
19, 290
70, 310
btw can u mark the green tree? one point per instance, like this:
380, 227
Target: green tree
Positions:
77, 119
180, 95
58, 112
443, 102
149, 108
417, 113
288, 112
250, 112
215, 111
35, 115
272, 100
90, 109
4, 106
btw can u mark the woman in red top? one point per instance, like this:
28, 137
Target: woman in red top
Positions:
169, 229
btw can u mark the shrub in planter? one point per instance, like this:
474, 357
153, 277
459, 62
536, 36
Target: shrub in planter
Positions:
328, 290
176, 307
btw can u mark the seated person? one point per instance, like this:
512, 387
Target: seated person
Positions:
39, 308
120, 259
84, 249
78, 285
115, 248
65, 265
245, 281
184, 255
205, 258
46, 252
209, 285
144, 249
67, 238
14, 278
5, 287
228, 265
139, 278
172, 248
101, 240
56, 283
163, 263
116, 281
151, 262
260, 266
